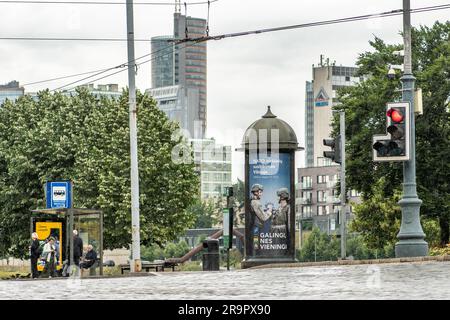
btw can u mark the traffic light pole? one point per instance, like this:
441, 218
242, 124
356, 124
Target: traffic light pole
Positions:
343, 214
411, 237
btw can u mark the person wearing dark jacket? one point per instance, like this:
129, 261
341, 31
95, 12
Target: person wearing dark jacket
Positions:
77, 248
34, 255
89, 258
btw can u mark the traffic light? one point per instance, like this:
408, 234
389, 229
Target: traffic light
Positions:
229, 191
335, 153
394, 146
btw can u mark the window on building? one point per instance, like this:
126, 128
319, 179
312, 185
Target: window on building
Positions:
306, 211
306, 182
336, 209
321, 196
323, 210
306, 197
322, 179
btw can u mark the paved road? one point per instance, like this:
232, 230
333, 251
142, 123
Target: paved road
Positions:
430, 280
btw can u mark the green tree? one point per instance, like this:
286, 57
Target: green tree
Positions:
86, 139
377, 219
365, 104
238, 188
319, 247
204, 213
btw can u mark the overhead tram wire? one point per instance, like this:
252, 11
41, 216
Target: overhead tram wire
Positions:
125, 66
314, 24
122, 70
71, 39
238, 34
102, 2
64, 77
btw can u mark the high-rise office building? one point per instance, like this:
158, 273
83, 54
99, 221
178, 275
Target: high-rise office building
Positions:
321, 96
11, 91
183, 65
180, 104
316, 194
163, 71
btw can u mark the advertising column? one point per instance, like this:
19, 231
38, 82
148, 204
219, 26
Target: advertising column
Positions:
270, 210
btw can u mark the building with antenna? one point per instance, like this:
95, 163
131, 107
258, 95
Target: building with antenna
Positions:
317, 201
183, 65
321, 96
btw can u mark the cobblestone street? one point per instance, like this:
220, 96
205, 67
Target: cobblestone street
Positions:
430, 280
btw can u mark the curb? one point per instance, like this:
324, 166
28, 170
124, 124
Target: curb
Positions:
353, 262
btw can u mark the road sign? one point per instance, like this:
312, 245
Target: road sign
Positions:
59, 194
226, 228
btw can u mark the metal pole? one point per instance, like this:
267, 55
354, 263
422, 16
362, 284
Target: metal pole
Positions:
300, 234
411, 237
228, 259
135, 265
343, 212
71, 228
315, 248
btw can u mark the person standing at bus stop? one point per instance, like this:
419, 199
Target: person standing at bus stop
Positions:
77, 248
34, 255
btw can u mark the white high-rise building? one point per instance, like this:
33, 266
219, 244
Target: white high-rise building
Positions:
321, 96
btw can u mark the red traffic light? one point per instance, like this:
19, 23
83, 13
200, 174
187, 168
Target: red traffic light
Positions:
396, 115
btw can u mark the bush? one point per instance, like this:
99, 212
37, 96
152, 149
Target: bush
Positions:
191, 266
171, 250
321, 247
235, 258
438, 251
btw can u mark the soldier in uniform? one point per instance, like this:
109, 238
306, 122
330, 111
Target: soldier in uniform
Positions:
281, 219
258, 214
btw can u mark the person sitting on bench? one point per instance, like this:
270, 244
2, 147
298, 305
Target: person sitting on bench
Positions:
90, 258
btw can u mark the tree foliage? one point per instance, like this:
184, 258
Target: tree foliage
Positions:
204, 213
365, 106
86, 139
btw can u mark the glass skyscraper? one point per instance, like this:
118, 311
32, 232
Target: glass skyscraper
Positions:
183, 65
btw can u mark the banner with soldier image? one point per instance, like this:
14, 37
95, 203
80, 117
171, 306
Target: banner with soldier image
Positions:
270, 194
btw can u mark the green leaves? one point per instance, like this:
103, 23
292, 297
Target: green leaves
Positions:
365, 116
86, 139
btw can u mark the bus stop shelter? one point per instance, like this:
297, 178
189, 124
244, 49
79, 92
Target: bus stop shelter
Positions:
60, 222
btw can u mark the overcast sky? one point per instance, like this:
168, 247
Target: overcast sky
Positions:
245, 74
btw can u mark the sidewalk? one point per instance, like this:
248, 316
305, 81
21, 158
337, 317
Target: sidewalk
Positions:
353, 262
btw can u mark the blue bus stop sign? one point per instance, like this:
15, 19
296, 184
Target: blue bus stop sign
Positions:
59, 194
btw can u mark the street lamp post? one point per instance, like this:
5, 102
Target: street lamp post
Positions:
411, 237
135, 264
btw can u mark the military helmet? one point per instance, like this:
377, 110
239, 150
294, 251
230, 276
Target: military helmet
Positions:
256, 187
283, 193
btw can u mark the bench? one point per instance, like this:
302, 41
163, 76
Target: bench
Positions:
147, 266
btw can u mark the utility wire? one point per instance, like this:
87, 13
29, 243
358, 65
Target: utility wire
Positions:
102, 2
71, 39
63, 77
314, 24
125, 69
239, 34
123, 65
